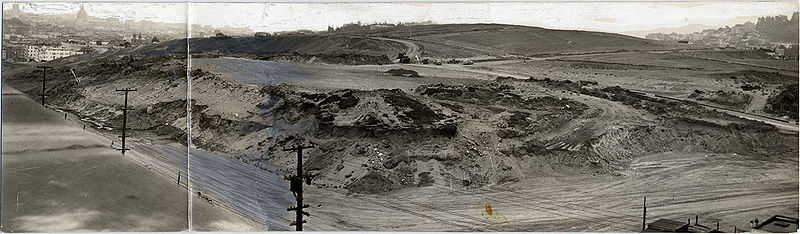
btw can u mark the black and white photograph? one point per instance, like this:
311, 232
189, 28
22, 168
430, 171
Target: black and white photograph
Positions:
455, 116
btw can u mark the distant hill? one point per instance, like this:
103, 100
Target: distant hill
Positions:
682, 30
494, 39
271, 45
441, 41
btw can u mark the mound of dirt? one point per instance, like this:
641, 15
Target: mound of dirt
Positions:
403, 72
731, 98
373, 182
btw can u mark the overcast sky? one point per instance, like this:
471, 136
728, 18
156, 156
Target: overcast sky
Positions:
595, 16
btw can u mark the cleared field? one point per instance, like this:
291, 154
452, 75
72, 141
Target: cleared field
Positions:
331, 77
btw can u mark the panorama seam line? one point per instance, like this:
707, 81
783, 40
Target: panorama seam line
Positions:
190, 206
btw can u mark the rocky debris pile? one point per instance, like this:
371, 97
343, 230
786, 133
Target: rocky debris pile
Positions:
356, 113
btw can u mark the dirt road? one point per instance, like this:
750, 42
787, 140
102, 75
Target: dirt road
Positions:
746, 64
413, 50
780, 124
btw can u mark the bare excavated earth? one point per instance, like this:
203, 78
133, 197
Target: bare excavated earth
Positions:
573, 145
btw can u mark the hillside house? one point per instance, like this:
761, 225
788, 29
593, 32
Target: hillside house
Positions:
791, 53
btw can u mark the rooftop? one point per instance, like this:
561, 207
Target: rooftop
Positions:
667, 225
778, 223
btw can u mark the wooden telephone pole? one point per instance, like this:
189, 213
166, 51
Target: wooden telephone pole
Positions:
44, 78
296, 186
125, 118
644, 214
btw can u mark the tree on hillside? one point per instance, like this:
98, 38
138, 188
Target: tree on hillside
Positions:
779, 28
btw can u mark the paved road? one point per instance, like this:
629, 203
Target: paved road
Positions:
57, 177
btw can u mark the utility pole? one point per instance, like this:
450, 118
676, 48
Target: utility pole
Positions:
44, 78
644, 213
125, 118
296, 186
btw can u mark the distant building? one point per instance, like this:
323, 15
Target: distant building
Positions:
777, 224
379, 26
135, 39
47, 53
221, 35
15, 53
14, 12
791, 53
667, 225
780, 50
81, 14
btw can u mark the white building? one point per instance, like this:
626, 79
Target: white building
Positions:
47, 53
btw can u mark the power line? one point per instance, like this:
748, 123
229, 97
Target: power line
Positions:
124, 118
44, 79
296, 186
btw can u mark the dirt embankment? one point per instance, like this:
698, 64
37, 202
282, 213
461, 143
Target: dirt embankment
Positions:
87, 89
